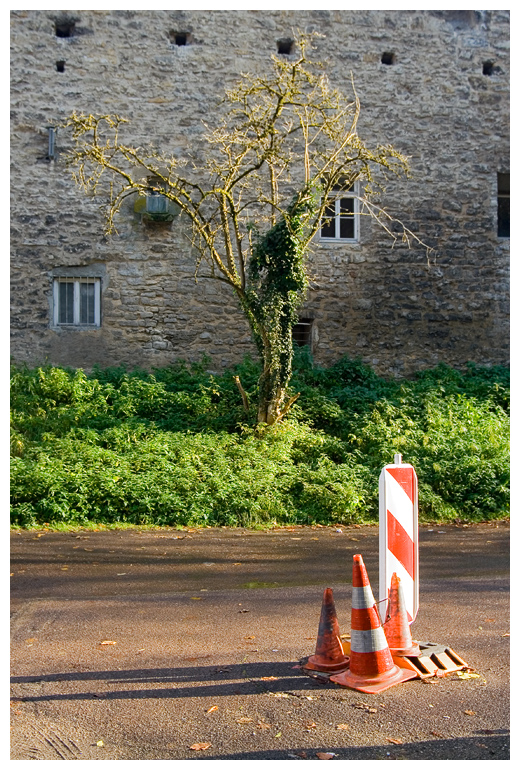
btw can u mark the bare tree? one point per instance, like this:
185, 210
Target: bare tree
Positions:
285, 144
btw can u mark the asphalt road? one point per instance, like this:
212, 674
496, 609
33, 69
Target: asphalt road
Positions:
141, 644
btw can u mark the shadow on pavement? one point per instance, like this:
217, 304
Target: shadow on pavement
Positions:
475, 747
246, 680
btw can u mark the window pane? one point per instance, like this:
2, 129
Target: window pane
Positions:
503, 184
66, 303
328, 223
156, 203
346, 222
86, 303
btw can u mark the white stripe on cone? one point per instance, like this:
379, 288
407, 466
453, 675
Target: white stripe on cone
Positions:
362, 597
371, 640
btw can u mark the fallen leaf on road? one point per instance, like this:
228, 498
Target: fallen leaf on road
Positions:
213, 708
343, 727
310, 725
244, 610
394, 740
490, 620
434, 732
107, 641
325, 754
278, 735
243, 720
470, 713
196, 598
200, 746
505, 634
263, 726
249, 637
100, 743
466, 675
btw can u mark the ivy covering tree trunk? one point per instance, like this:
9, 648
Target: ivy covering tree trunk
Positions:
286, 143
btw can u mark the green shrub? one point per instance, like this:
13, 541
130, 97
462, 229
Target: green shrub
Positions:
174, 446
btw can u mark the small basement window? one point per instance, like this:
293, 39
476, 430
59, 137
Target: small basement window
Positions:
65, 28
503, 207
302, 332
77, 301
388, 58
285, 46
60, 66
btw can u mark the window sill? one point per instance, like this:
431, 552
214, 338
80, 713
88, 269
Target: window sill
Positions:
74, 327
336, 241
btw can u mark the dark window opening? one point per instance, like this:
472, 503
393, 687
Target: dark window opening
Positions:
302, 332
180, 38
65, 28
489, 68
388, 58
503, 207
60, 66
285, 46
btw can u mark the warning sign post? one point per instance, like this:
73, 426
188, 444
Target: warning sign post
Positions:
399, 534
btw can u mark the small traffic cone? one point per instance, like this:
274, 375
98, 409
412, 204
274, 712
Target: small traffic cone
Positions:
371, 669
396, 626
329, 656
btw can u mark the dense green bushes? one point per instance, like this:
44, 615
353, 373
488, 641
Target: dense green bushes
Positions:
175, 446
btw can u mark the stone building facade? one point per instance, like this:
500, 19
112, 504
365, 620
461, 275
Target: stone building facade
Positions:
432, 83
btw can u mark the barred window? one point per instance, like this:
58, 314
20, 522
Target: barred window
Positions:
77, 301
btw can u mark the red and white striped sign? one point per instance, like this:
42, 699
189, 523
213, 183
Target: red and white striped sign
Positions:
399, 534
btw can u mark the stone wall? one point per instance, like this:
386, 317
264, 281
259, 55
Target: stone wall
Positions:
387, 305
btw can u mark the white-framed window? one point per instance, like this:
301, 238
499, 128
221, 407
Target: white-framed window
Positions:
340, 220
77, 301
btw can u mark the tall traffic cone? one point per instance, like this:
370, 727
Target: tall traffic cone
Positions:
329, 656
396, 626
372, 669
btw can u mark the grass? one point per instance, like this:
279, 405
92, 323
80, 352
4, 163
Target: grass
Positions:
173, 447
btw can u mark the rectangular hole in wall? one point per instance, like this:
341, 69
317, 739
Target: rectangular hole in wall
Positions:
302, 332
503, 206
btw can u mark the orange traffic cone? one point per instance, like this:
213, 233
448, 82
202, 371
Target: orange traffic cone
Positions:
372, 669
329, 656
396, 626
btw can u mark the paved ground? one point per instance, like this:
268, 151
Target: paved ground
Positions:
140, 645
